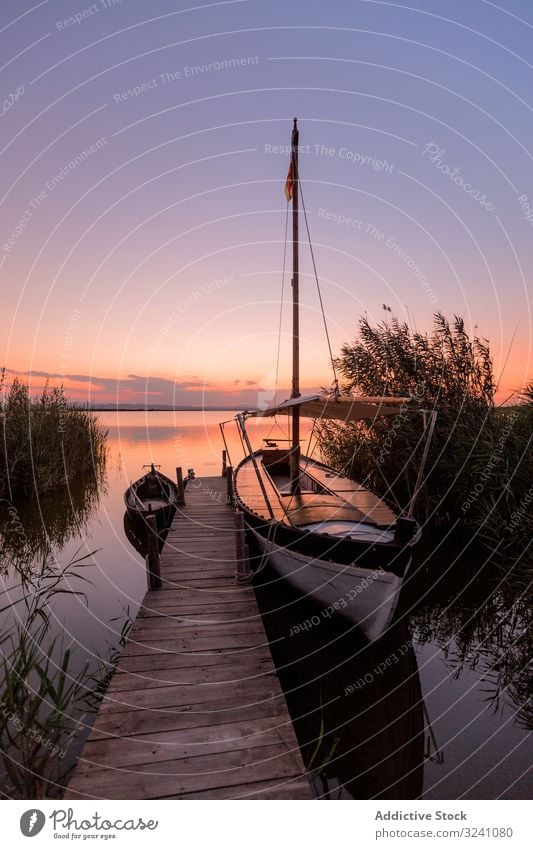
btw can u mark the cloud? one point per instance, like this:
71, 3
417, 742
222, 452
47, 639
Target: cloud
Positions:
133, 388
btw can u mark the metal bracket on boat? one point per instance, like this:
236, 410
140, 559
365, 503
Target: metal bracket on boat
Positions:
240, 419
418, 485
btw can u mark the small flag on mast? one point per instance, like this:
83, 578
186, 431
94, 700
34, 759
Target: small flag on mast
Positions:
289, 183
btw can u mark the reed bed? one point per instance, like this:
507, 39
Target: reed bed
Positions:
47, 442
480, 465
46, 690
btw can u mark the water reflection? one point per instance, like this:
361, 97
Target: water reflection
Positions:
472, 639
484, 627
30, 529
357, 708
136, 531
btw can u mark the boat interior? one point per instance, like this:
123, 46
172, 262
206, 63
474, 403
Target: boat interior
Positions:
327, 502
153, 489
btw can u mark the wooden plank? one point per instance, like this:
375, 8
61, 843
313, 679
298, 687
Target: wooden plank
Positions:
188, 775
221, 673
218, 712
195, 709
373, 508
184, 744
178, 696
157, 631
148, 661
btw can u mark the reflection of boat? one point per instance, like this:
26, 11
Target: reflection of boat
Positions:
328, 536
356, 706
153, 495
136, 534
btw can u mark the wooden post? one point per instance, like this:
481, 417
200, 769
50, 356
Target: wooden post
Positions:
224, 460
229, 488
181, 488
152, 558
243, 572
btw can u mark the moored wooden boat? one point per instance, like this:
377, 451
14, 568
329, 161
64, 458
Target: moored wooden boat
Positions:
334, 540
153, 495
329, 537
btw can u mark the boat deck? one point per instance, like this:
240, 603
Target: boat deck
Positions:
344, 500
195, 709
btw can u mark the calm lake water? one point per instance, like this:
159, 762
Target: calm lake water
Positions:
437, 710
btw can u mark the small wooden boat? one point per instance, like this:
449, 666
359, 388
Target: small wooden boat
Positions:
154, 495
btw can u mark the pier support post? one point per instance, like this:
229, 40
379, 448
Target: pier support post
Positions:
153, 570
224, 462
243, 572
181, 488
229, 487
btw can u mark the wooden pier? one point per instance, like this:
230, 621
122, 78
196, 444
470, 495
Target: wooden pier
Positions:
195, 709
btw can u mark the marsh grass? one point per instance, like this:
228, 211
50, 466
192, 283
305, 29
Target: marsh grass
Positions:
480, 466
44, 694
47, 443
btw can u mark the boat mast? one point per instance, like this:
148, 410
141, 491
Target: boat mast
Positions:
295, 436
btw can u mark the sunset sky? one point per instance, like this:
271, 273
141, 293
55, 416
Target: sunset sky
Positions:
143, 163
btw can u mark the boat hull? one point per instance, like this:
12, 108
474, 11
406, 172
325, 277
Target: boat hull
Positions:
367, 597
334, 541
163, 515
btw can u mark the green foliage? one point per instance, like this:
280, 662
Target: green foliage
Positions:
41, 697
480, 466
391, 359
46, 693
47, 443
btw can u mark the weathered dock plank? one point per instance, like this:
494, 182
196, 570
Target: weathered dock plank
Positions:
195, 709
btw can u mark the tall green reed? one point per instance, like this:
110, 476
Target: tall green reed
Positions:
47, 442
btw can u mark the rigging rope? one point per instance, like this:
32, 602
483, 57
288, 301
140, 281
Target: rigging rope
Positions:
335, 380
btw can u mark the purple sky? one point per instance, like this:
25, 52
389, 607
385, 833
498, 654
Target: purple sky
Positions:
143, 165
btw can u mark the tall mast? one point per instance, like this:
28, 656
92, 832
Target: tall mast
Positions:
295, 436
